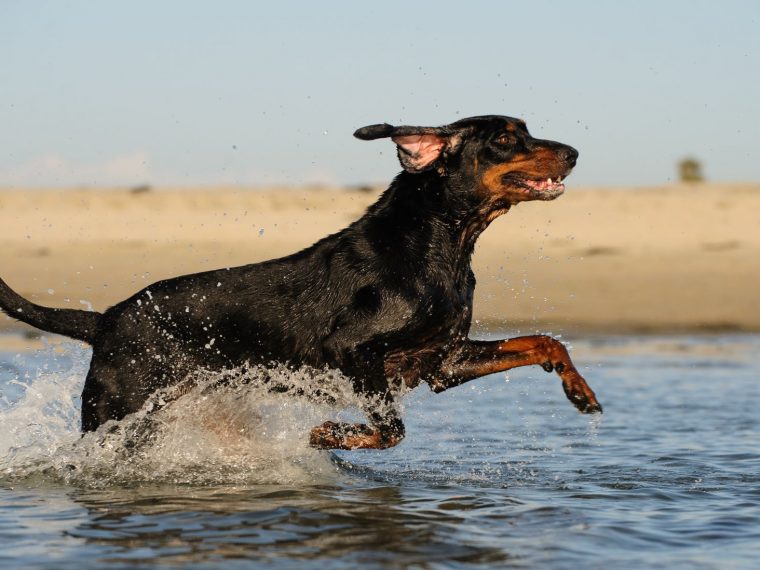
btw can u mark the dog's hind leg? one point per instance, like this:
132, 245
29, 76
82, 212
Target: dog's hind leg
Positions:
112, 390
100, 401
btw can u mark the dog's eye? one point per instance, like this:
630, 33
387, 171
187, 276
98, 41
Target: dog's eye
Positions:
504, 140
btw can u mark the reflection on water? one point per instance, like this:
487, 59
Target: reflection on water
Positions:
348, 525
493, 474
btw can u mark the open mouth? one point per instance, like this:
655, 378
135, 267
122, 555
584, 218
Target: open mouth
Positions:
543, 189
547, 185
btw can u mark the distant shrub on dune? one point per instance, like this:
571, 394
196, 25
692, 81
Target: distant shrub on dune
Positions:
690, 170
141, 189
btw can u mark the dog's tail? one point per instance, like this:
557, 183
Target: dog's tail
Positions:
77, 324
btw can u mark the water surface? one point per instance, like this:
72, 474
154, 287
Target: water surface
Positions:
501, 472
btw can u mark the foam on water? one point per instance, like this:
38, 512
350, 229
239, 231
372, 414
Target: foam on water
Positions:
228, 427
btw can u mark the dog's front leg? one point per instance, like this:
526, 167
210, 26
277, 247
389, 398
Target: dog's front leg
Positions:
364, 364
474, 359
384, 430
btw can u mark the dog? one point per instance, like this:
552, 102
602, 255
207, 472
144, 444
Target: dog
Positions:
387, 301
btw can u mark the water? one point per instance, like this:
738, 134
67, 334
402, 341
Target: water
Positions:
498, 473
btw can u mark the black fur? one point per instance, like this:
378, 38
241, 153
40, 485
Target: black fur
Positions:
77, 324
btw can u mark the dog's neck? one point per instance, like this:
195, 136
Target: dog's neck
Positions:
439, 210
466, 211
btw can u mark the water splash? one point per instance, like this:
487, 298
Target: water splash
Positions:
242, 426
44, 414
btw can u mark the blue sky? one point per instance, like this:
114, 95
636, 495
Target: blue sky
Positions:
236, 92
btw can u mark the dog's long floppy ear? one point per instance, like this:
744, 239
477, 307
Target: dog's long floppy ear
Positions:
419, 148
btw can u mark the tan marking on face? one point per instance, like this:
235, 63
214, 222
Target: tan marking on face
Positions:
491, 179
537, 165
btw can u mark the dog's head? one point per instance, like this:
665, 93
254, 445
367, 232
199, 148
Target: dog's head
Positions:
496, 153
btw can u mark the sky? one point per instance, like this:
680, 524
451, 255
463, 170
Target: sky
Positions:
241, 92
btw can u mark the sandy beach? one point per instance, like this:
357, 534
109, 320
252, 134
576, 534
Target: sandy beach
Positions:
671, 258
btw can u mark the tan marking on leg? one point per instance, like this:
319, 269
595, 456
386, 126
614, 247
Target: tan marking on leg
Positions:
332, 435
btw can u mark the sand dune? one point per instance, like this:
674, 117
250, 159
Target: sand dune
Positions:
618, 259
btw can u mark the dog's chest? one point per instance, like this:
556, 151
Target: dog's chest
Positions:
443, 318
446, 302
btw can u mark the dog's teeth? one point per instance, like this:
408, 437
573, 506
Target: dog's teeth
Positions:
549, 181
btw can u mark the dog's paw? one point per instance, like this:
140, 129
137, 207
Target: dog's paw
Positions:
324, 436
585, 405
581, 396
332, 435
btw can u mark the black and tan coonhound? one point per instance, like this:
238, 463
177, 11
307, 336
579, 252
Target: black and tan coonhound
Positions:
388, 300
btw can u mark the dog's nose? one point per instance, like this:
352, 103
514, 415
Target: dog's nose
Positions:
569, 155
